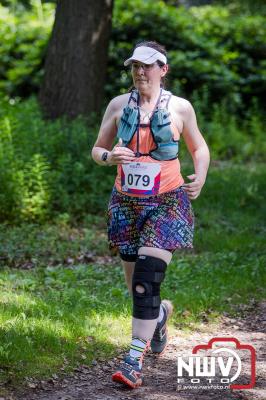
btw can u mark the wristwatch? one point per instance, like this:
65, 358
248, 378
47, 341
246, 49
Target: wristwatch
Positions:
104, 156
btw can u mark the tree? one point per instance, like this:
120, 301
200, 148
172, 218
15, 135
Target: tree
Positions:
76, 59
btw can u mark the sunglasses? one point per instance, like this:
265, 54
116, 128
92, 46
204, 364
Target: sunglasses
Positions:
146, 67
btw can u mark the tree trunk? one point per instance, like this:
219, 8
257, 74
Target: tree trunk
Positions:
76, 60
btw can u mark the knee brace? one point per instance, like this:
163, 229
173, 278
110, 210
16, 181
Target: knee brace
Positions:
149, 273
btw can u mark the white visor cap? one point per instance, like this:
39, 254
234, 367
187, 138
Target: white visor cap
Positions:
146, 55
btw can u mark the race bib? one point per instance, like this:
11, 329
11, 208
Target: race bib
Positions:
141, 178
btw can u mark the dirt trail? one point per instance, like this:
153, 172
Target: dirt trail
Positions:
161, 373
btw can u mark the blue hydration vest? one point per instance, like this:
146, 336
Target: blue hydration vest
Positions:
160, 126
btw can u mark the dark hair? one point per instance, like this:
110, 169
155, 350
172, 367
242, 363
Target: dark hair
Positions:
154, 45
159, 47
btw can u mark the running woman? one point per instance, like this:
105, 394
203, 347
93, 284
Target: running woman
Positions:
150, 212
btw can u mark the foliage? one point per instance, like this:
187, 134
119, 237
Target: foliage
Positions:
243, 6
215, 48
46, 169
227, 136
210, 48
23, 39
62, 313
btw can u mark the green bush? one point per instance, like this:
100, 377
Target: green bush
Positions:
227, 135
214, 47
216, 58
24, 35
209, 47
46, 169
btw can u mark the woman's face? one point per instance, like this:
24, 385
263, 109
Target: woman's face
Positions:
147, 76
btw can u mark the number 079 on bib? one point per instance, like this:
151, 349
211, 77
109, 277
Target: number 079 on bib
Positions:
141, 178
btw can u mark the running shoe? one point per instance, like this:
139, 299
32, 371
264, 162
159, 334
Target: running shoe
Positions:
129, 373
160, 336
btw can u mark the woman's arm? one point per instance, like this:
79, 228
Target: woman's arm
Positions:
198, 149
106, 137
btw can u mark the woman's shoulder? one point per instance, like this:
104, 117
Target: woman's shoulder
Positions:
181, 108
180, 104
119, 102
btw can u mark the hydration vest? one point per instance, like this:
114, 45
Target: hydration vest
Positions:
160, 126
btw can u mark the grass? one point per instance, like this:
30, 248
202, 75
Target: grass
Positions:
53, 314
64, 304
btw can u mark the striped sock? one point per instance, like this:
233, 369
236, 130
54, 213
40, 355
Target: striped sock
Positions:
137, 349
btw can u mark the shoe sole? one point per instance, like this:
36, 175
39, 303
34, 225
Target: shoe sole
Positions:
120, 378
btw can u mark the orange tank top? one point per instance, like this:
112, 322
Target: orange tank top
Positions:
170, 178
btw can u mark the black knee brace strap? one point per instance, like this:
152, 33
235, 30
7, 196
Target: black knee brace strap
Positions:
149, 273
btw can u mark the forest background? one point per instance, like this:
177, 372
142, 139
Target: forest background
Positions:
217, 61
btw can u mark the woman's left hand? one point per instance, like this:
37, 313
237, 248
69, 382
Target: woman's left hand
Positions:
193, 189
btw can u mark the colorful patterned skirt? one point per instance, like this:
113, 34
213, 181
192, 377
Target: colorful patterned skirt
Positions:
164, 221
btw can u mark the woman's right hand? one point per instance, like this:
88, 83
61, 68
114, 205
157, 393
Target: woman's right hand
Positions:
120, 154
